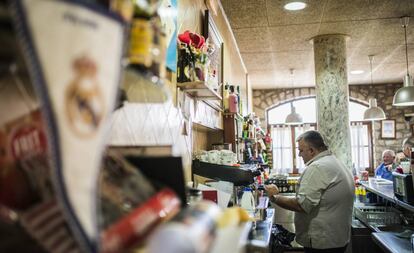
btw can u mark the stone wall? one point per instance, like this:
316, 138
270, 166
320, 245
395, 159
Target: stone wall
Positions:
265, 99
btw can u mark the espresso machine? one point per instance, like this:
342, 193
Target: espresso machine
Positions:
239, 176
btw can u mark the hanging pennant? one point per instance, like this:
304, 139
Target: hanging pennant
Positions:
73, 51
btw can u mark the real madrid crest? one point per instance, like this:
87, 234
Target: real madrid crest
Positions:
84, 101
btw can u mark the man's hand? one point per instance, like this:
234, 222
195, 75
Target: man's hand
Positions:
282, 201
271, 190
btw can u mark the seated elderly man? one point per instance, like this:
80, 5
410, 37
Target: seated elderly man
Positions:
388, 165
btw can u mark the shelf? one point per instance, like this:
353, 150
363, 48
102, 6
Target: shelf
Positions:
238, 175
199, 90
200, 126
214, 104
247, 139
236, 115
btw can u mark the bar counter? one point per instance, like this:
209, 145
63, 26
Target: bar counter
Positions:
386, 191
259, 237
388, 241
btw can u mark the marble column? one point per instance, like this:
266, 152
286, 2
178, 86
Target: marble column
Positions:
332, 94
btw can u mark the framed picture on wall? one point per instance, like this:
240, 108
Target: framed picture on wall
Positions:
215, 51
388, 129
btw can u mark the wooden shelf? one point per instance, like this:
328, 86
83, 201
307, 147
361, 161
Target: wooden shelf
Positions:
200, 126
247, 139
235, 114
199, 90
214, 104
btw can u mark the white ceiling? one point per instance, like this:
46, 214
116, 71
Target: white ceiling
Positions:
272, 40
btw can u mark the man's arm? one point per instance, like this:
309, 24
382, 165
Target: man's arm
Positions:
282, 201
287, 203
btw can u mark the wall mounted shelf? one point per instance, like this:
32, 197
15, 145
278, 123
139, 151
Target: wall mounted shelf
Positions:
199, 90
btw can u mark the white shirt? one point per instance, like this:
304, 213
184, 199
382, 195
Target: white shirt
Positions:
326, 194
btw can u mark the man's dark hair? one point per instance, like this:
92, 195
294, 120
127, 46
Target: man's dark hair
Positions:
314, 139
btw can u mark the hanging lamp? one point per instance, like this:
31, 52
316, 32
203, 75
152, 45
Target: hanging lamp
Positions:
373, 112
293, 118
405, 95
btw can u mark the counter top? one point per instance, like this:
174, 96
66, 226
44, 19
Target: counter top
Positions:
392, 243
386, 191
259, 237
388, 240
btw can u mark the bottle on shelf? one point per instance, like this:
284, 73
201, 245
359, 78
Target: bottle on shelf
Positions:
145, 71
251, 129
185, 66
233, 106
239, 99
125, 8
226, 94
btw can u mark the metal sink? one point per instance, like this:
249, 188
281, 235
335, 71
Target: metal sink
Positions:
401, 231
397, 228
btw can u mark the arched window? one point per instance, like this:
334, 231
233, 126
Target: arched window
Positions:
285, 153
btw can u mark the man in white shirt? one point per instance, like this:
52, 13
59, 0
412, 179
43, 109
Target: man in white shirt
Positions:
324, 198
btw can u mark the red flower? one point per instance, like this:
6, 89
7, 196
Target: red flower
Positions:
197, 40
193, 39
185, 37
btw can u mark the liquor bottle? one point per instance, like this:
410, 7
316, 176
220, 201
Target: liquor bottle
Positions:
145, 72
233, 106
226, 97
141, 38
184, 64
239, 99
125, 8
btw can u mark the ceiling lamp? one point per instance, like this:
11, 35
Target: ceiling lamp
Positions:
405, 95
295, 5
293, 118
373, 112
357, 72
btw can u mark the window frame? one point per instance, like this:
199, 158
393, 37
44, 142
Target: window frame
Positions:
295, 169
370, 143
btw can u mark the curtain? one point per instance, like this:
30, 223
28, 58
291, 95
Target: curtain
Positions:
359, 145
282, 149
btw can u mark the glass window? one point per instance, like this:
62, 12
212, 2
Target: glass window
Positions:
360, 145
305, 107
284, 143
285, 153
282, 148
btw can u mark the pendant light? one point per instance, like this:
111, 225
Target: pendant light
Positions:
405, 95
373, 112
293, 118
